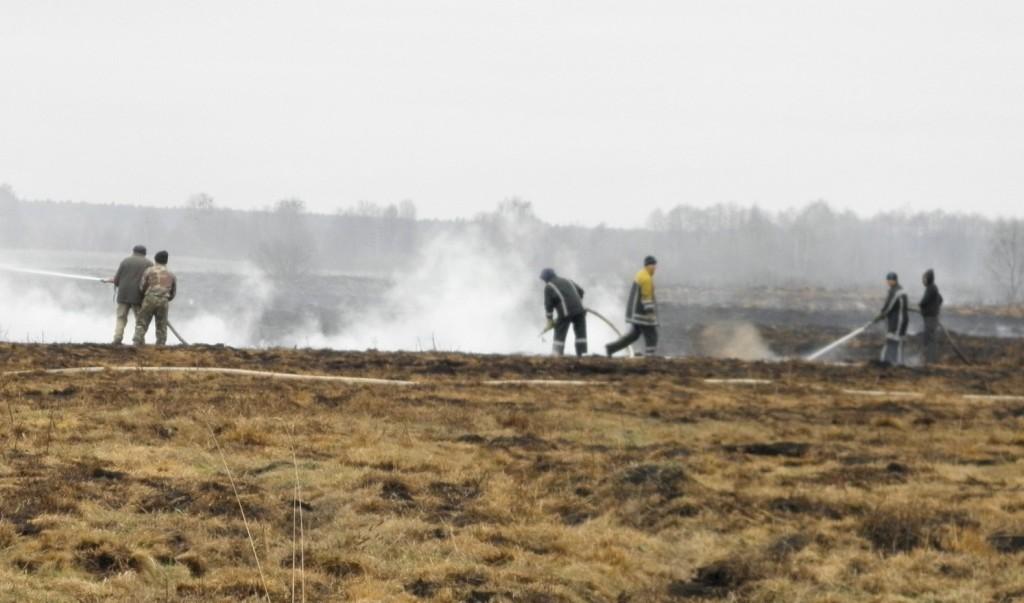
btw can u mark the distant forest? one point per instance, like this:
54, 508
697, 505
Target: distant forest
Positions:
721, 246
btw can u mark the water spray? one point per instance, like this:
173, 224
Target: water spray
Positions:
835, 344
77, 277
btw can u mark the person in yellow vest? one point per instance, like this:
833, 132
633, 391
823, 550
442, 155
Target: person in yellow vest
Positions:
641, 312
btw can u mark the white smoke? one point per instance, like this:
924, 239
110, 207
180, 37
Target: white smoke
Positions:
50, 309
52, 315
738, 340
476, 291
461, 294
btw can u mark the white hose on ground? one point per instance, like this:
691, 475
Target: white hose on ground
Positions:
274, 375
214, 370
395, 382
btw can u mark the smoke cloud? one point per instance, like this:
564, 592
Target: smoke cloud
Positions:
734, 339
471, 290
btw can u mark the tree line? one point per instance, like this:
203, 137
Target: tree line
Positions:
717, 246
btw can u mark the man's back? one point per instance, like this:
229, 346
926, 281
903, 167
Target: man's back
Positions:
565, 296
128, 277
159, 282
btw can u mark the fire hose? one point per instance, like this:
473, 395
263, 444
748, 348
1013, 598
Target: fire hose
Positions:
603, 319
856, 332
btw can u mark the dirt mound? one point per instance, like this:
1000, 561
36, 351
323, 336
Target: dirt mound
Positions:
902, 528
787, 449
718, 579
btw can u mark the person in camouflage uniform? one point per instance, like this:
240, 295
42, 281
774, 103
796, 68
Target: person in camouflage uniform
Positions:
158, 288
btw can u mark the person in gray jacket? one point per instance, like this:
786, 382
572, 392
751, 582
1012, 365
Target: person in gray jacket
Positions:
129, 296
894, 313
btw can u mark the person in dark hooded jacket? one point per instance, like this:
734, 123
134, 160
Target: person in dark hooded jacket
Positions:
930, 304
895, 313
564, 297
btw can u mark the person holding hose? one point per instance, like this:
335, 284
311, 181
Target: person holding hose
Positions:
129, 296
930, 305
564, 297
158, 288
894, 312
641, 312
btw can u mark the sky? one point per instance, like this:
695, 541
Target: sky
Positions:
595, 111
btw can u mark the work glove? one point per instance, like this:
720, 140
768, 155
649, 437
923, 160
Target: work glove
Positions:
550, 325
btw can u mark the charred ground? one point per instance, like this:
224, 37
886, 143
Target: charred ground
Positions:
828, 483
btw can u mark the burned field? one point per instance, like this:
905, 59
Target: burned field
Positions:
648, 483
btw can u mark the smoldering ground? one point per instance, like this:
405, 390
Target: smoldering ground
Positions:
739, 340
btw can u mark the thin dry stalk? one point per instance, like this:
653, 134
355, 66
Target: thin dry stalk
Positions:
14, 430
297, 511
294, 538
238, 499
49, 433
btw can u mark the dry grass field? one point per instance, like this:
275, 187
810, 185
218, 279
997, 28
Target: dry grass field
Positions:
650, 483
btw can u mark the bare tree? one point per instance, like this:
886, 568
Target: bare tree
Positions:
7, 196
517, 209
407, 210
1006, 259
200, 201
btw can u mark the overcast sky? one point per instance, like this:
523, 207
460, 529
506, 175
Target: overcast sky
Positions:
595, 111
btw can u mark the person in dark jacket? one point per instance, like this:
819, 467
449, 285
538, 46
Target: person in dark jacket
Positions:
129, 298
564, 298
930, 305
895, 313
641, 312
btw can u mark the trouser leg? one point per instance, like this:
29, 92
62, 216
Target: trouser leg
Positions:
893, 350
623, 342
650, 340
931, 341
579, 331
561, 331
161, 315
121, 322
122, 319
142, 320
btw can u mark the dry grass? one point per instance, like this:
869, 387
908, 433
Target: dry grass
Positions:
656, 487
